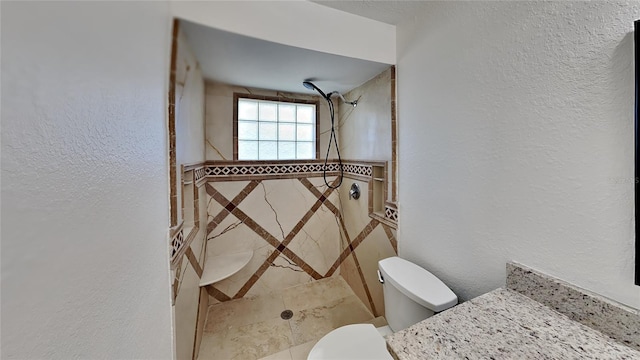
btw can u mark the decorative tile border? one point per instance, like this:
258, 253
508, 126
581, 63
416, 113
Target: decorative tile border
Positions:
619, 322
233, 170
391, 212
180, 243
267, 170
177, 242
357, 169
199, 174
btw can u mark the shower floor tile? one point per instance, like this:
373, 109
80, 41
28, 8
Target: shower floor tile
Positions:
314, 323
252, 328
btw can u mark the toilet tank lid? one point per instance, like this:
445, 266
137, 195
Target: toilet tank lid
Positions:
417, 283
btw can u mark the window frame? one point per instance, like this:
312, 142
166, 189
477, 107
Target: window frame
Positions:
238, 96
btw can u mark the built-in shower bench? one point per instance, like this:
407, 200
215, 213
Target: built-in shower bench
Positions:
218, 268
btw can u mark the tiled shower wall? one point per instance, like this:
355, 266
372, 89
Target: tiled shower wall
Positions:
377, 242
368, 132
290, 224
299, 229
293, 223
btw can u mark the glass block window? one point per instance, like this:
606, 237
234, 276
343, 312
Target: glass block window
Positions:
275, 130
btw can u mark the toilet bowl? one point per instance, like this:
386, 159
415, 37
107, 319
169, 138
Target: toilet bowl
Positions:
411, 294
353, 342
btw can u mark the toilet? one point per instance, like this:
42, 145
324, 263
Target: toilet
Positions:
411, 294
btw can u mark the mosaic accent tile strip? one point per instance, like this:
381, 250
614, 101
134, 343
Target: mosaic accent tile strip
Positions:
266, 170
182, 245
199, 174
391, 212
357, 169
177, 242
619, 322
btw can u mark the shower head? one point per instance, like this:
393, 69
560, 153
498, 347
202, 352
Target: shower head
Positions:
311, 86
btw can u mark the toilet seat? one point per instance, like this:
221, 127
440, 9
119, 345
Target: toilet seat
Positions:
358, 341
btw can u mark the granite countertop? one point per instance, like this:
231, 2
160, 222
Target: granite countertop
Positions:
504, 324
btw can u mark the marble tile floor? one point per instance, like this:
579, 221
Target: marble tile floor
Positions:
251, 328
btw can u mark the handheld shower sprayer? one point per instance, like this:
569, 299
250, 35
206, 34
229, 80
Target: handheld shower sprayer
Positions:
311, 86
332, 137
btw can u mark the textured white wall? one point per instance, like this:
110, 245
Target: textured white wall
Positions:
84, 180
296, 23
516, 143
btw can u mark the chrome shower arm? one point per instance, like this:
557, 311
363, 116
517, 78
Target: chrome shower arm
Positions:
353, 103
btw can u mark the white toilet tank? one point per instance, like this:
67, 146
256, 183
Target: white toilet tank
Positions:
411, 293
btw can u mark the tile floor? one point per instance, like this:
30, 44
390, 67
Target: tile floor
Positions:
251, 328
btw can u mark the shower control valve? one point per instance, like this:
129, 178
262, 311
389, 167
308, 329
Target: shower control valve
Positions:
354, 192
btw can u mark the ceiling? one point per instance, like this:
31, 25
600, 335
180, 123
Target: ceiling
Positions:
390, 12
245, 61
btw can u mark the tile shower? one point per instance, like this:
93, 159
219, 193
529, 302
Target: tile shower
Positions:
300, 231
294, 226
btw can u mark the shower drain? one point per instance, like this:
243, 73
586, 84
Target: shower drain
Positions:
286, 315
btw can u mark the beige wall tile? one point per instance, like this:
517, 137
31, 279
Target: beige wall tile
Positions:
283, 273
355, 212
349, 273
318, 241
186, 308
229, 189
287, 200
365, 131
219, 134
374, 248
239, 238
